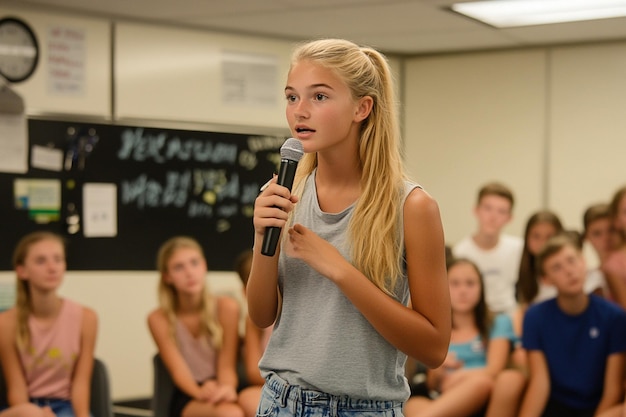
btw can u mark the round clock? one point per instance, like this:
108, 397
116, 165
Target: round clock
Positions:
19, 50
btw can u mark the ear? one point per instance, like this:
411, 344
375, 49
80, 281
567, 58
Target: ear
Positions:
364, 108
20, 271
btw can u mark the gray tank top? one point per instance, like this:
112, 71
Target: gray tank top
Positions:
320, 340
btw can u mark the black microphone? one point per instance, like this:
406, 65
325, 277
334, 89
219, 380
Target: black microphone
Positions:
290, 154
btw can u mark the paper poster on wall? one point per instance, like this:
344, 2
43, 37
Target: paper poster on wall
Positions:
40, 197
249, 79
66, 61
42, 157
13, 143
100, 210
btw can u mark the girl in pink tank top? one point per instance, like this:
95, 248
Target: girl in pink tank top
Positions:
196, 334
46, 342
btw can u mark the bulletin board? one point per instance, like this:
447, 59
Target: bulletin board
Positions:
124, 190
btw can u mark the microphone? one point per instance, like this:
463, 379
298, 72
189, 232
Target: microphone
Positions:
290, 154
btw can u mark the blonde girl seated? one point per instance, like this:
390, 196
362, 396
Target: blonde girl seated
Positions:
46, 341
196, 334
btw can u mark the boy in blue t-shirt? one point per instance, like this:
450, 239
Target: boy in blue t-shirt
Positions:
576, 343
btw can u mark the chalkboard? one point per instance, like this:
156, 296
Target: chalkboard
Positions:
167, 182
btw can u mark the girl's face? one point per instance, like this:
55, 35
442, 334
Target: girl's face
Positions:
465, 287
44, 265
599, 235
186, 271
320, 109
538, 235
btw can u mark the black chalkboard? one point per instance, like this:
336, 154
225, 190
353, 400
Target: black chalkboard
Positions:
169, 182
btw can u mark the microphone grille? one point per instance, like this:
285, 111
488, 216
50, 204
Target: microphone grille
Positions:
292, 150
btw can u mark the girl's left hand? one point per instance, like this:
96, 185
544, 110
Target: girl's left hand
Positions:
320, 255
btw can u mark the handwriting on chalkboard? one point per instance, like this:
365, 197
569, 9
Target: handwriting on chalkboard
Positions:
210, 183
159, 148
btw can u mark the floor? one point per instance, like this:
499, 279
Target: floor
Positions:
133, 408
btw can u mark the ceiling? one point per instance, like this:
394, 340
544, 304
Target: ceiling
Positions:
393, 26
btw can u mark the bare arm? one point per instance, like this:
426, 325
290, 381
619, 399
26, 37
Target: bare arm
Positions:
538, 390
271, 208
171, 356
228, 316
497, 355
613, 382
253, 353
81, 379
17, 390
404, 327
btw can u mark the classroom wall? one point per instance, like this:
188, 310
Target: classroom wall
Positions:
47, 93
547, 121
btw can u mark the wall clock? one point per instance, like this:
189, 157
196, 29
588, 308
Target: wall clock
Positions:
19, 50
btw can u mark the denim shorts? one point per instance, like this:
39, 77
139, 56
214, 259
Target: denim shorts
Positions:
60, 407
279, 399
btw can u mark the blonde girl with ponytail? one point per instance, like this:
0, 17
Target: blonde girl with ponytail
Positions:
359, 281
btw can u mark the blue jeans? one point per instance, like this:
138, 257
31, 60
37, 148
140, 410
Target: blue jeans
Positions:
279, 399
62, 408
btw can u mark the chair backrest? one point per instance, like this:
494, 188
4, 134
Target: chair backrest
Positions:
163, 389
100, 404
3, 390
100, 399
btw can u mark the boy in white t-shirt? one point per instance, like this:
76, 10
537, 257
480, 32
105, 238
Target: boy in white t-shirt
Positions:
496, 254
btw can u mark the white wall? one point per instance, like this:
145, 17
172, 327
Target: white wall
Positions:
167, 73
474, 118
587, 148
95, 98
549, 122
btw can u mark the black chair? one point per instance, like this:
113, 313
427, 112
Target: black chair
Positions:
100, 404
163, 389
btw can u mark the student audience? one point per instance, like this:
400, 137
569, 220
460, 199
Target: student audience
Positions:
46, 341
540, 227
598, 233
196, 334
531, 334
496, 254
473, 375
576, 342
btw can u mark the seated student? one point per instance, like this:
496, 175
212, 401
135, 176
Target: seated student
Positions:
196, 334
496, 254
473, 375
597, 231
614, 265
46, 341
576, 342
255, 342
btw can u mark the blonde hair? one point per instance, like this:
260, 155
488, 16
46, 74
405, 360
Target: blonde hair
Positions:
377, 248
23, 300
168, 299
